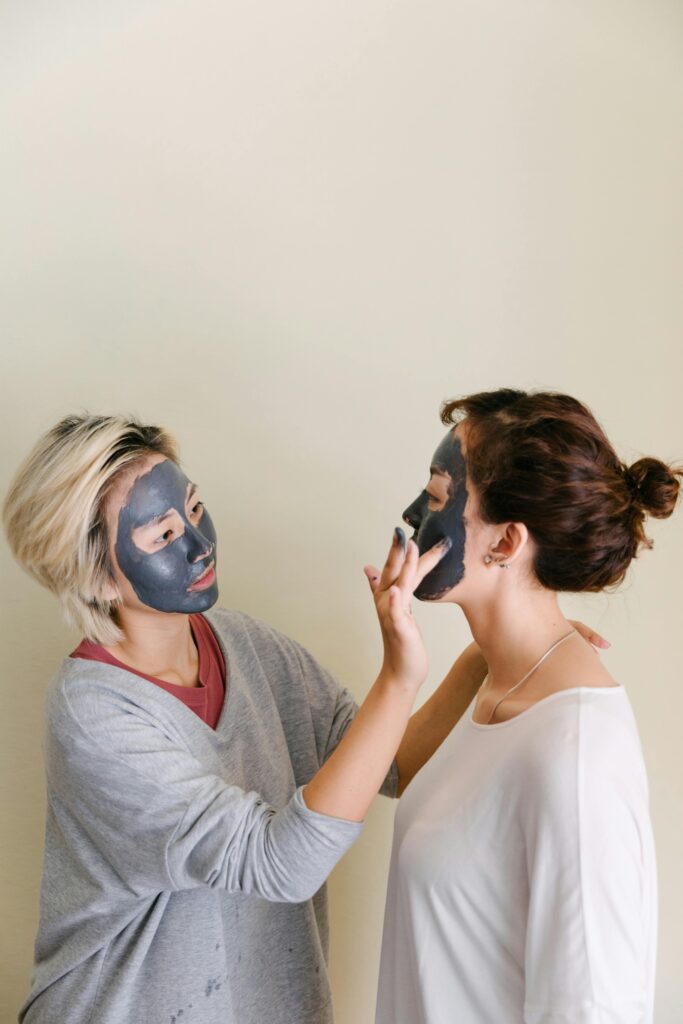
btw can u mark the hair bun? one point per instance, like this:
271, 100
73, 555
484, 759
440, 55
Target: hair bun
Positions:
654, 485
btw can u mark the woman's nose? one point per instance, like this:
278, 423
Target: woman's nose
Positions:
200, 546
205, 554
412, 517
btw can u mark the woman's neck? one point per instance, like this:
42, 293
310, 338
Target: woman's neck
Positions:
514, 630
160, 644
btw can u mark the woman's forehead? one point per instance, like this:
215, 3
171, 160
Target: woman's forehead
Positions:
121, 491
448, 455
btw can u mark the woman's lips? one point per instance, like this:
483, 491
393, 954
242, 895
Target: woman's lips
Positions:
205, 580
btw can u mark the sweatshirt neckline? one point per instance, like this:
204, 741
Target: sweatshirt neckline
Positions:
540, 703
163, 697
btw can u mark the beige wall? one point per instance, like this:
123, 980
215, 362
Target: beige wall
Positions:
287, 231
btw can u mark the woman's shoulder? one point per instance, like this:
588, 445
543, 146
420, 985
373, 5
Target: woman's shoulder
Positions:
233, 624
575, 663
578, 710
89, 697
79, 681
583, 736
243, 633
249, 641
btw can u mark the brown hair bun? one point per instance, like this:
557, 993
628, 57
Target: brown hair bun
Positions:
654, 485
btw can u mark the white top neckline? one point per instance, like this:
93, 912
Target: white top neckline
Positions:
544, 700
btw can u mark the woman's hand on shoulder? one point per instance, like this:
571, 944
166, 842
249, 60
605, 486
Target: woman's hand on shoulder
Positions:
590, 635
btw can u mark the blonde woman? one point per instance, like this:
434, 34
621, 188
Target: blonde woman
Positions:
204, 774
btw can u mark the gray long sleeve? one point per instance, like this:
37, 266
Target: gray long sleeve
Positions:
183, 870
143, 801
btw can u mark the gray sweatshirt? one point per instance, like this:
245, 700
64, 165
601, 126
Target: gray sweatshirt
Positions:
183, 879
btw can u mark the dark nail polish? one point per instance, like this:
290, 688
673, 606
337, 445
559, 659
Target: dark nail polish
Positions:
446, 543
400, 537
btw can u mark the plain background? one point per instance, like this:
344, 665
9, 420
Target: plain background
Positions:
288, 231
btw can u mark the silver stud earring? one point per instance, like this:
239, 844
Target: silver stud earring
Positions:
503, 565
487, 559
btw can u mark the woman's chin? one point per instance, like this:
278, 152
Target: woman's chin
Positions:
448, 595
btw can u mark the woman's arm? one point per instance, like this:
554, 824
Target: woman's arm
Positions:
429, 727
351, 777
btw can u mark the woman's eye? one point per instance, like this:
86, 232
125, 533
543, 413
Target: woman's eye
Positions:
199, 504
164, 537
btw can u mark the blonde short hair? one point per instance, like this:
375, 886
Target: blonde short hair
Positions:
53, 512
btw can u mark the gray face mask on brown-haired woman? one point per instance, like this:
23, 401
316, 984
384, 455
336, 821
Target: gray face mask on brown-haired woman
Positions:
433, 526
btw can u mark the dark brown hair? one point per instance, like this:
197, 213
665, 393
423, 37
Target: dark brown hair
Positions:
542, 459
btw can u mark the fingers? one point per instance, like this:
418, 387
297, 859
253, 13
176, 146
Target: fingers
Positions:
430, 559
416, 567
372, 575
405, 567
590, 635
405, 578
397, 609
395, 559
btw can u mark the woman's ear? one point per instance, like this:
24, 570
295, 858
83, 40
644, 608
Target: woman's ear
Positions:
513, 541
109, 592
104, 588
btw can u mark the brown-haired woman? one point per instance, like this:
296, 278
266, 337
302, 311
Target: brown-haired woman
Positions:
523, 875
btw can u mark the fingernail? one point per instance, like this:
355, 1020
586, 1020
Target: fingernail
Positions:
446, 543
400, 537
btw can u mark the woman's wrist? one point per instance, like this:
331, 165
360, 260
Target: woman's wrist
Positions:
392, 681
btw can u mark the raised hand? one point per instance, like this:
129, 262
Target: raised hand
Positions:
405, 658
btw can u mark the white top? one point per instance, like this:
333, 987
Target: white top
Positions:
523, 885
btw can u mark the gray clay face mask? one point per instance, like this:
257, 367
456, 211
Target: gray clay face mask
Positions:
161, 578
431, 527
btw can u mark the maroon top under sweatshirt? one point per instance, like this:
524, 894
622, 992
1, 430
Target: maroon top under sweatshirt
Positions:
206, 699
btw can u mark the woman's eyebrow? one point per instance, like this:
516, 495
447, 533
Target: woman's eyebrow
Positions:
155, 520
